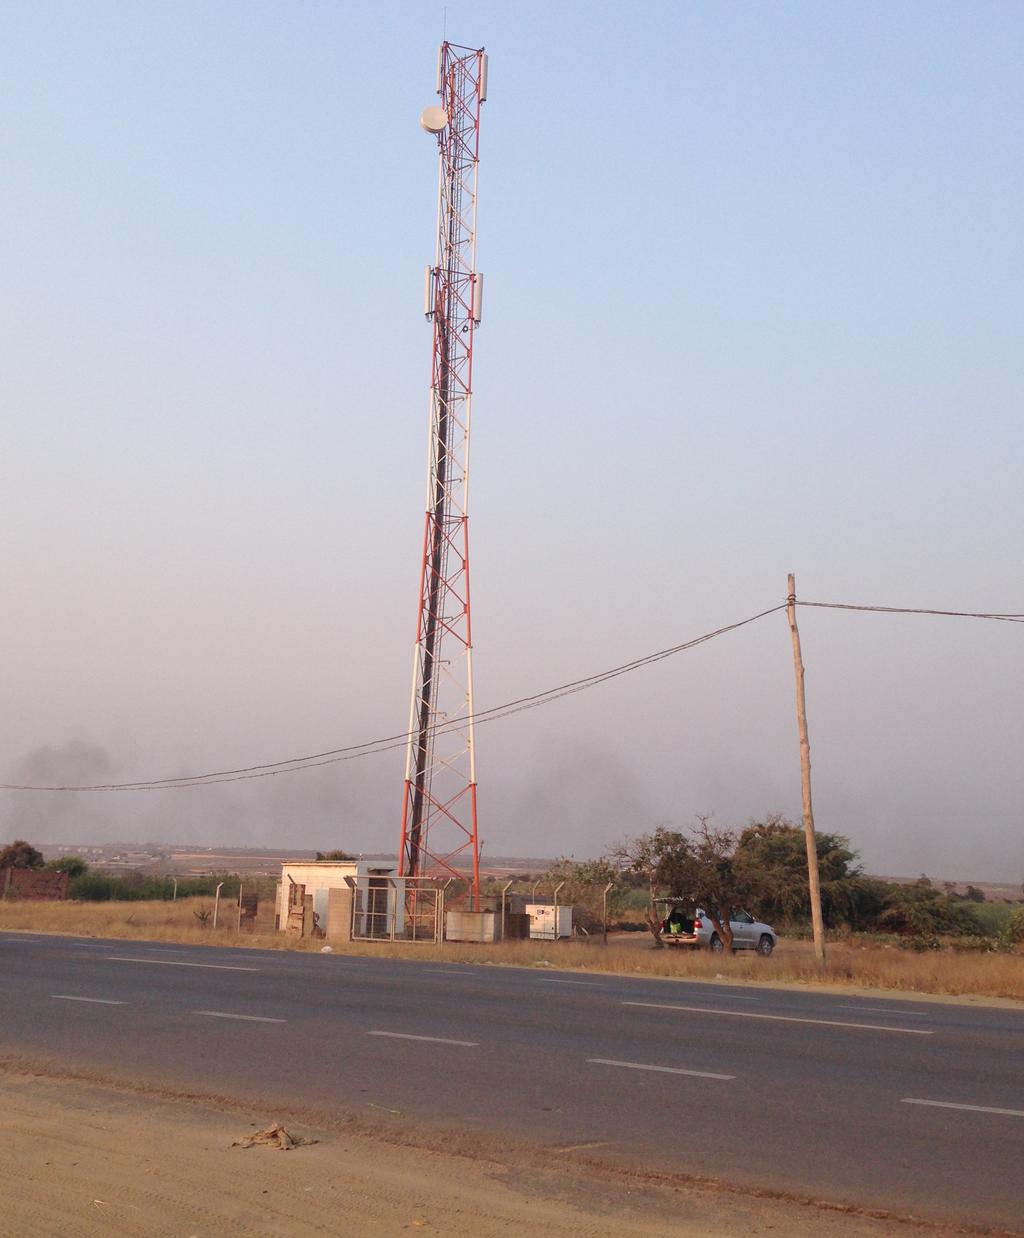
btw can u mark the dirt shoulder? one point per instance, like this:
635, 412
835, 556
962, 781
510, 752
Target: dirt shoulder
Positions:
92, 1161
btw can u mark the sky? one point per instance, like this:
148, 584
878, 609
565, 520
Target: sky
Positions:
754, 306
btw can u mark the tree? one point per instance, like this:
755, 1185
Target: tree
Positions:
771, 867
703, 870
642, 858
73, 865
583, 883
698, 869
334, 855
20, 854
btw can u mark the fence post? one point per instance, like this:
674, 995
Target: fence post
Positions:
554, 899
393, 917
351, 883
444, 899
504, 891
238, 926
604, 909
216, 904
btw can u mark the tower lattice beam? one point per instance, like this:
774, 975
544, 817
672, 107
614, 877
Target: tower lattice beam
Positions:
439, 802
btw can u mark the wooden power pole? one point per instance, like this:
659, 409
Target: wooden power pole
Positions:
805, 778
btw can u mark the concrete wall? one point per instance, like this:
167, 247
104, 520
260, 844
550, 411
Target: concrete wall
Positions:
339, 915
471, 925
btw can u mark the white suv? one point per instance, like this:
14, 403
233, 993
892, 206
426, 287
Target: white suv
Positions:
747, 933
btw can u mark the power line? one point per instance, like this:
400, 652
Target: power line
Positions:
914, 610
387, 743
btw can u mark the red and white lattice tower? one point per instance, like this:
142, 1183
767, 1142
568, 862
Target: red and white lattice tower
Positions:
439, 809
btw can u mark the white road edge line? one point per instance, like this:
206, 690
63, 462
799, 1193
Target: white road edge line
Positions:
248, 1018
900, 1014
99, 1001
667, 1070
121, 958
440, 1040
586, 984
733, 997
785, 1018
948, 1104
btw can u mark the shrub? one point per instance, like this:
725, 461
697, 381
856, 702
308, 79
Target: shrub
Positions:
94, 887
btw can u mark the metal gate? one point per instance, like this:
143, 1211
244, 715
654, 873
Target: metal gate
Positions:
397, 909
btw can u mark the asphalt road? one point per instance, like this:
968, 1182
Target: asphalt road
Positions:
912, 1106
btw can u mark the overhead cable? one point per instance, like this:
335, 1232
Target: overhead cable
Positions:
388, 742
915, 610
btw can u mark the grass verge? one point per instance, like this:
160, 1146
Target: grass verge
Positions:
941, 972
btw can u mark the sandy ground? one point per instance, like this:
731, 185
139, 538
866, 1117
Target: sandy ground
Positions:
85, 1160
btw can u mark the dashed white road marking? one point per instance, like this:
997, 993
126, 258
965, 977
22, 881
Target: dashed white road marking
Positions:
785, 1018
99, 1001
948, 1104
121, 958
247, 1018
665, 1070
440, 1040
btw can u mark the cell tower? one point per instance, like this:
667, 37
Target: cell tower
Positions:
439, 810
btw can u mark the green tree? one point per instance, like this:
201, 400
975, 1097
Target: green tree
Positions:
334, 855
642, 858
73, 865
1013, 931
697, 869
771, 868
920, 910
583, 883
702, 870
20, 854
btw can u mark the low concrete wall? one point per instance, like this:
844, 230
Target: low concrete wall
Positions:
471, 925
339, 914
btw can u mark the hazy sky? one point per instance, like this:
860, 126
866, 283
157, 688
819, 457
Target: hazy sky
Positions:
754, 305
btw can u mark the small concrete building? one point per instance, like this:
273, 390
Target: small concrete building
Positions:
373, 885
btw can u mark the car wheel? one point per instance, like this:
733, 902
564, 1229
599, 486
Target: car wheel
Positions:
765, 946
716, 944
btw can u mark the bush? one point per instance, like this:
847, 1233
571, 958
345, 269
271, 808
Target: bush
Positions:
1013, 929
93, 887
920, 910
73, 865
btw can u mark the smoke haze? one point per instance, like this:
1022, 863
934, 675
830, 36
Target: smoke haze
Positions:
754, 306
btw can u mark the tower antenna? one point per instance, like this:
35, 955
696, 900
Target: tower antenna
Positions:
439, 803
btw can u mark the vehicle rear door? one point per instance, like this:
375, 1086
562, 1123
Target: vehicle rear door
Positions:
742, 925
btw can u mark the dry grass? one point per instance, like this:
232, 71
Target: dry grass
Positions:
865, 966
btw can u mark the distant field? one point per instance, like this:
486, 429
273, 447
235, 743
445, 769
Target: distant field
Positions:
855, 963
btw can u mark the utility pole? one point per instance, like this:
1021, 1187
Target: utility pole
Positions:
805, 777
